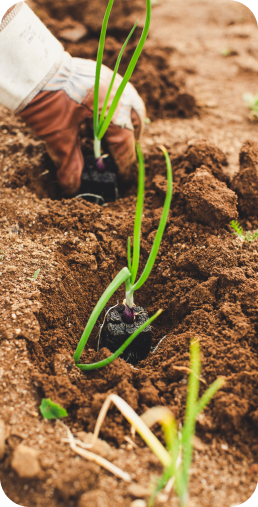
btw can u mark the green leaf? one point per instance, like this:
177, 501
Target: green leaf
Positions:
121, 277
238, 229
161, 227
129, 254
208, 395
98, 68
35, 276
138, 215
51, 410
128, 73
103, 112
190, 415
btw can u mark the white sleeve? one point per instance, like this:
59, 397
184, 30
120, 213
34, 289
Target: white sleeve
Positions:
29, 57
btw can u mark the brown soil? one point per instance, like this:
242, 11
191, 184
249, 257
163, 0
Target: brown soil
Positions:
205, 279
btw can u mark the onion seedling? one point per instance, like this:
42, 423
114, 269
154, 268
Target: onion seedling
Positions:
177, 458
128, 275
102, 121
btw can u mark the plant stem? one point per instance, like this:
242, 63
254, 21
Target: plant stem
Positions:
121, 277
128, 72
103, 112
128, 315
138, 215
98, 69
97, 148
162, 224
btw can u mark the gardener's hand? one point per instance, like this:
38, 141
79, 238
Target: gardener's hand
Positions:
53, 93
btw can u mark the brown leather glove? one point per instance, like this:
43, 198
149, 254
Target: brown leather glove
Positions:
56, 118
53, 93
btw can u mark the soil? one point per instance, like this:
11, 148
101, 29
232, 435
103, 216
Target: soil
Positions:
205, 279
99, 184
116, 331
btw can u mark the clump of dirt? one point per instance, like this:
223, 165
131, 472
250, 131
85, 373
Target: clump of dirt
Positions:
198, 154
209, 200
245, 183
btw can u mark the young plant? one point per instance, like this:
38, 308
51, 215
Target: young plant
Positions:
102, 121
35, 276
252, 102
133, 265
128, 275
177, 458
239, 231
51, 410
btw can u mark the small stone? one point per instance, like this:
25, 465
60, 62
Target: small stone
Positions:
95, 498
209, 200
73, 34
198, 444
138, 491
25, 462
138, 503
2, 439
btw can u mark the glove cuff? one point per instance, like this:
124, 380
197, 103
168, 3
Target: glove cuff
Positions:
29, 57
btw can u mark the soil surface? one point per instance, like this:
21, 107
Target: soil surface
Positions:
205, 278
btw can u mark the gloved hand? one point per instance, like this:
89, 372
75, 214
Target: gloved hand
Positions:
53, 93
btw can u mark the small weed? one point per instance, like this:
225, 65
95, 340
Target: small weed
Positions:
2, 256
51, 410
251, 102
35, 276
239, 231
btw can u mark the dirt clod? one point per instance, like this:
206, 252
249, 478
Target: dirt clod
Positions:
95, 498
25, 462
76, 480
208, 200
245, 183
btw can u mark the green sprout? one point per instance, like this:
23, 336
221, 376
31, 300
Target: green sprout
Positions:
239, 231
2, 256
251, 102
101, 122
177, 458
128, 274
51, 410
249, 237
35, 276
